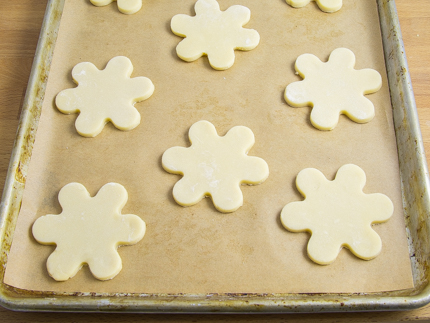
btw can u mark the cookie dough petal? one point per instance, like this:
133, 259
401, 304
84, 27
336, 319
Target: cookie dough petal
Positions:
307, 64
126, 117
88, 126
189, 50
201, 132
129, 6
297, 95
254, 171
324, 118
382, 207
310, 180
294, 217
187, 192
100, 3
351, 175
248, 39
329, 5
67, 101
130, 229
204, 7
181, 25
61, 265
141, 88
361, 110
45, 229
321, 249
298, 3
367, 245
120, 67
71, 193
106, 265
221, 59
174, 160
239, 13
369, 80
112, 196
228, 199
241, 138
82, 71
342, 57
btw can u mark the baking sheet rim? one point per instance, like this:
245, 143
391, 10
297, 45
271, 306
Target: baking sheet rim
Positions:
19, 300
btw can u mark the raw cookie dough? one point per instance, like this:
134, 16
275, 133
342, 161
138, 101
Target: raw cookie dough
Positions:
324, 5
333, 88
104, 95
215, 166
214, 33
337, 214
88, 231
125, 6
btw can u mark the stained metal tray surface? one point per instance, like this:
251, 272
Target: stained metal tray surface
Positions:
414, 181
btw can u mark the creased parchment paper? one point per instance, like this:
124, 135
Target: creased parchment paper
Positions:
197, 249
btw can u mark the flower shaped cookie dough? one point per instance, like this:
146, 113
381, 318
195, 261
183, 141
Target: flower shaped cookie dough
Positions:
103, 96
214, 166
88, 231
125, 6
333, 88
324, 5
337, 213
214, 33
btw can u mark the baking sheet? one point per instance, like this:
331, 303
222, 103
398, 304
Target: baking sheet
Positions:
197, 249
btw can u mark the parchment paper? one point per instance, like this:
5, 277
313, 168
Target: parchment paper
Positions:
197, 249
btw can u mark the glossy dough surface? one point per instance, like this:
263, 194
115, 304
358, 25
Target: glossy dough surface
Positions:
333, 88
104, 95
215, 166
125, 6
214, 33
88, 231
325, 5
337, 213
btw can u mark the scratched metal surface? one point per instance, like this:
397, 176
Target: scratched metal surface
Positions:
415, 187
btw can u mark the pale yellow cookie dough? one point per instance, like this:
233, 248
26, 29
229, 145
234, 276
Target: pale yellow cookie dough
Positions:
215, 166
125, 6
214, 33
104, 95
333, 88
337, 214
88, 231
325, 5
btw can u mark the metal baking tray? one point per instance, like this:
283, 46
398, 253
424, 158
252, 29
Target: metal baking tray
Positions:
414, 181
